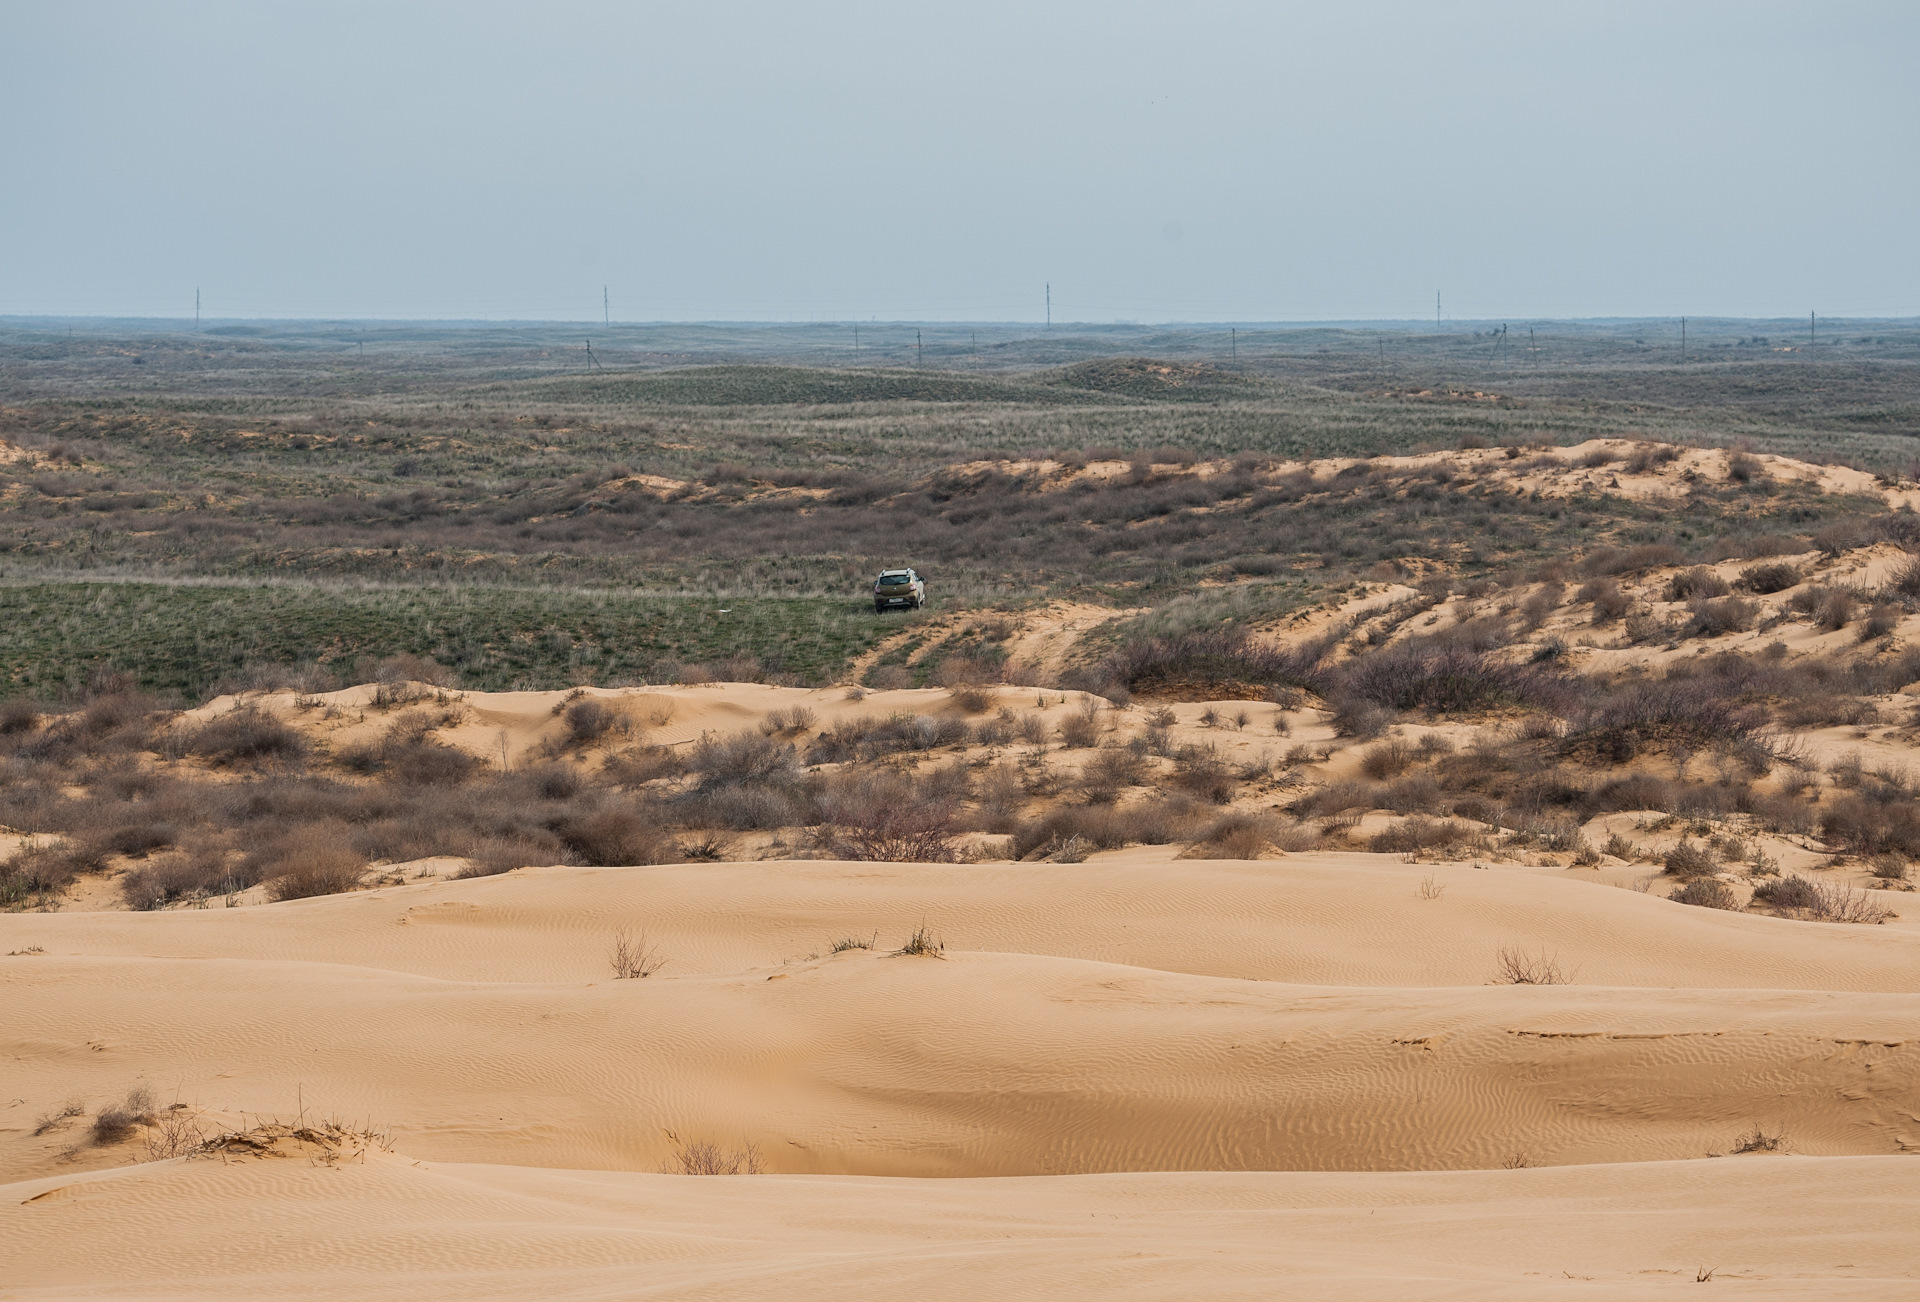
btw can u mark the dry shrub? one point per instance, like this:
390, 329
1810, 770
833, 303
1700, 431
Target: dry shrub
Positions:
892, 825
195, 873
17, 716
1869, 825
1883, 617
633, 956
1775, 576
1721, 616
1081, 729
1514, 966
588, 721
1695, 584
1688, 860
117, 1121
1903, 586
1759, 1141
1793, 896
1645, 556
615, 834
1414, 834
922, 944
702, 1157
1620, 848
1452, 679
1216, 664
246, 735
789, 722
1357, 718
1237, 836
1888, 867
1199, 771
1707, 893
1609, 603
1743, 467
1385, 761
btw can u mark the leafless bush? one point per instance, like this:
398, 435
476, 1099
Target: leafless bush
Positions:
1759, 1141
703, 1157
1620, 848
1743, 467
789, 722
1413, 834
1687, 860
892, 826
1868, 824
202, 870
1516, 967
1721, 616
923, 944
1883, 617
1903, 586
306, 860
1774, 576
1431, 888
1384, 761
175, 1132
971, 699
1609, 603
1793, 896
117, 1121
57, 1118
1889, 867
1697, 583
1707, 893
18, 716
247, 734
633, 956
1237, 836
1081, 728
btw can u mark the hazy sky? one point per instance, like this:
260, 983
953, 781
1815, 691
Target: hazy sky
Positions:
802, 161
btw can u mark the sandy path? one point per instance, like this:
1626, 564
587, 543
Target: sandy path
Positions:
392, 1229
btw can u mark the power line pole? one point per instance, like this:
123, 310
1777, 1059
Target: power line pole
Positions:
606, 312
196, 309
1049, 305
919, 357
1235, 341
1436, 311
1683, 339
1812, 336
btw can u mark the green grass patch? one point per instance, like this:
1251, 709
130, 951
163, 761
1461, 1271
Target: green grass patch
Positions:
179, 641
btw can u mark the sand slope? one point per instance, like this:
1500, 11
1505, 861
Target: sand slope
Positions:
1336, 919
391, 1228
979, 1064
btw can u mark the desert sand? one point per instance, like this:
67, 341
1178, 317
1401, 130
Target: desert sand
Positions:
1162, 1078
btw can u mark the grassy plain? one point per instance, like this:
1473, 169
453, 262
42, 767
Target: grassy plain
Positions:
491, 495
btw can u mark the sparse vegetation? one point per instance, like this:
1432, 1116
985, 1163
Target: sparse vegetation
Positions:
633, 956
1515, 966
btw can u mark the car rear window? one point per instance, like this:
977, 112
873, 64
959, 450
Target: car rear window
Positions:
896, 578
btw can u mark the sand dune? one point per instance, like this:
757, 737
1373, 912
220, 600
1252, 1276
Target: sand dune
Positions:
977, 1064
1334, 919
394, 1228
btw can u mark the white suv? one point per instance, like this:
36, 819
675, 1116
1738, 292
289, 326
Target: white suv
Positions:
899, 588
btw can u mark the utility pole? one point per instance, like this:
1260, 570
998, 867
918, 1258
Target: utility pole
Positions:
1812, 337
1049, 305
1235, 340
1683, 339
606, 312
856, 338
919, 357
196, 309
1436, 311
